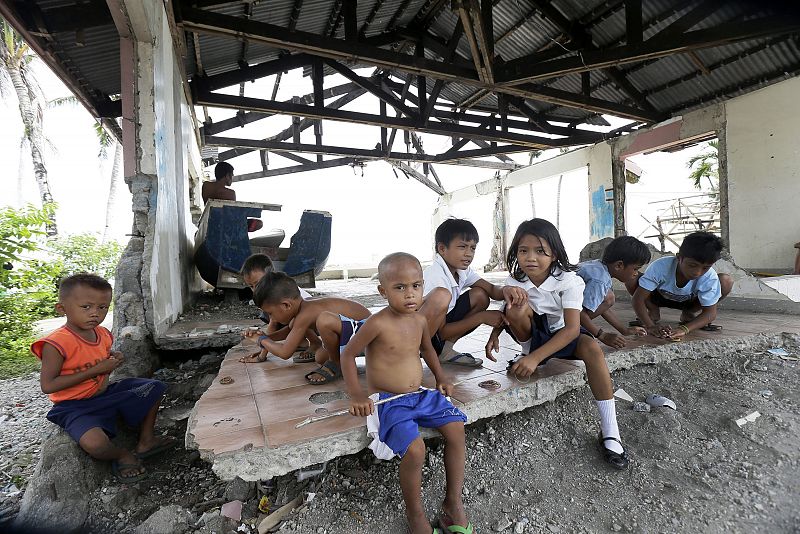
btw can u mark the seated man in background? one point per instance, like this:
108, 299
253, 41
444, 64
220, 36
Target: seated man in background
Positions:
220, 189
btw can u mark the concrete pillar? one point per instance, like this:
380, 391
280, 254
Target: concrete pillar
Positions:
155, 277
618, 180
601, 188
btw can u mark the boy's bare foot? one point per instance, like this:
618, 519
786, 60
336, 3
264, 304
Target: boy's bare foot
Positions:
453, 514
418, 523
256, 357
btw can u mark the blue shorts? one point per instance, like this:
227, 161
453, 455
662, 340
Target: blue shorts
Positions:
401, 418
459, 311
349, 329
130, 398
541, 334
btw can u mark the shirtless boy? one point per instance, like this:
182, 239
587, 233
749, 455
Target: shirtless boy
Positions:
334, 319
393, 338
252, 271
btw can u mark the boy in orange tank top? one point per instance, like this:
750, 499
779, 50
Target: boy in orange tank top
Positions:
76, 362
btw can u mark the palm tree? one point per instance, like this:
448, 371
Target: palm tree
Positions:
705, 165
16, 60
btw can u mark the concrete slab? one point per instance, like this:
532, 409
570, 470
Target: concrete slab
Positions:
247, 428
188, 335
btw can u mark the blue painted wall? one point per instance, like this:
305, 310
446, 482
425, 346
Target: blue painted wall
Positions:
602, 224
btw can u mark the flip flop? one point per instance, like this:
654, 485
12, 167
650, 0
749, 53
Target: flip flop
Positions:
117, 469
329, 371
711, 328
166, 443
614, 459
452, 528
463, 358
303, 356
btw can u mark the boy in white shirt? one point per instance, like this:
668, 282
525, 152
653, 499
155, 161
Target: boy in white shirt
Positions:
622, 259
684, 282
455, 298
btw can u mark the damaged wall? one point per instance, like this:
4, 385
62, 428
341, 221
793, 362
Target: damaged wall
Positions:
155, 277
763, 164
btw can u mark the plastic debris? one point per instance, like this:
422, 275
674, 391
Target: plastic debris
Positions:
232, 509
641, 407
311, 471
749, 418
309, 497
778, 352
622, 394
766, 393
225, 380
263, 505
657, 401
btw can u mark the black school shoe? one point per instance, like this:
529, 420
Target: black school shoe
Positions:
614, 459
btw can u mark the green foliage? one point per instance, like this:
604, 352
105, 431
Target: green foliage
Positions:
20, 231
705, 165
84, 253
28, 292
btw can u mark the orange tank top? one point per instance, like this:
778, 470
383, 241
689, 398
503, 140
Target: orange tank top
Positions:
78, 355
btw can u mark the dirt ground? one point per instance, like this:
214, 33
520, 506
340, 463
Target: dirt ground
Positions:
693, 470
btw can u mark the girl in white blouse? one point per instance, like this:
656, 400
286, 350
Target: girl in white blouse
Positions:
549, 326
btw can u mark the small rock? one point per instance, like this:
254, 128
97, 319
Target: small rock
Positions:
239, 490
501, 525
616, 527
641, 407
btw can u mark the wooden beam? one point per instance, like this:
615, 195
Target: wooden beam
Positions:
250, 73
370, 86
633, 21
246, 118
288, 132
236, 27
360, 153
403, 123
350, 13
293, 169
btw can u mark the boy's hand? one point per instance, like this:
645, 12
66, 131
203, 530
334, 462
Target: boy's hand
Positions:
361, 406
612, 340
635, 331
523, 368
678, 333
114, 360
516, 296
494, 318
493, 345
658, 330
248, 333
445, 388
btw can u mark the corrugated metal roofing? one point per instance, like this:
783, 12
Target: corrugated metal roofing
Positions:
671, 84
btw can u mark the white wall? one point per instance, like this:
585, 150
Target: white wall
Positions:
763, 156
168, 151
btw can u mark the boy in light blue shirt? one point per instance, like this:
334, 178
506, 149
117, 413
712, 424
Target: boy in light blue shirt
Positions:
684, 282
622, 259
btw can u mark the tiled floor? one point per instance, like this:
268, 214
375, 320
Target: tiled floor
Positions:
265, 401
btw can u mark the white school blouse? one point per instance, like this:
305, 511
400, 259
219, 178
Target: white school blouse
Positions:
438, 274
562, 289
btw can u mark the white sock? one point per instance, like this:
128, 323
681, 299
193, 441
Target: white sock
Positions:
447, 350
608, 424
526, 347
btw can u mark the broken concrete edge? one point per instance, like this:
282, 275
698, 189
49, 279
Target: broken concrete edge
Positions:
263, 463
214, 341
